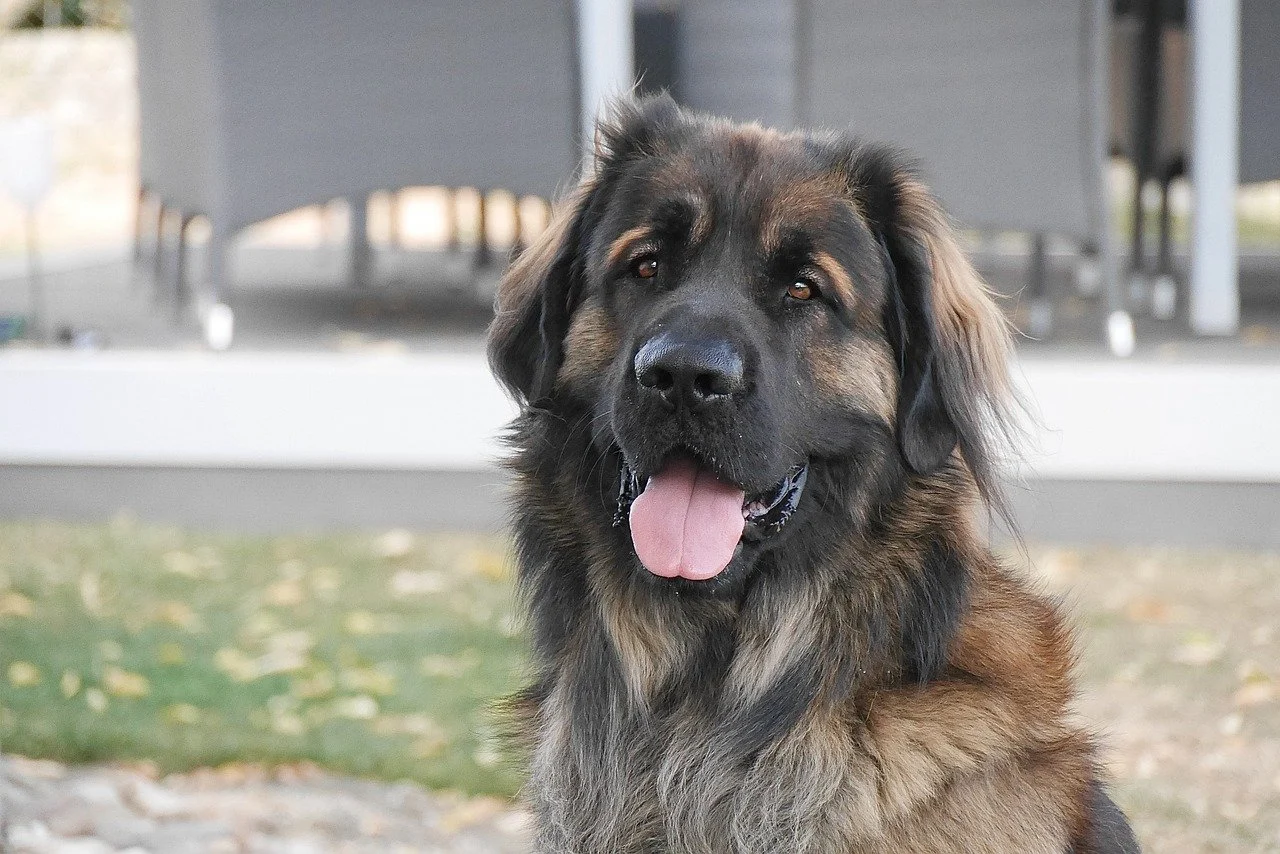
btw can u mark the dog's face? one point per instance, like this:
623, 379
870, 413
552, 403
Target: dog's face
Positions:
740, 314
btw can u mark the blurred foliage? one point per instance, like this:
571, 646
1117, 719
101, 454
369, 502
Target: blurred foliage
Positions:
36, 14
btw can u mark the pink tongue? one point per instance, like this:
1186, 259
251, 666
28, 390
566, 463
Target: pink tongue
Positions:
687, 522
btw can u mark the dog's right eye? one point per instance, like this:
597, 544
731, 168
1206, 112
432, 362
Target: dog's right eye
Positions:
644, 267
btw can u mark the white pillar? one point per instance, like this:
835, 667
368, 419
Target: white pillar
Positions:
604, 55
1214, 305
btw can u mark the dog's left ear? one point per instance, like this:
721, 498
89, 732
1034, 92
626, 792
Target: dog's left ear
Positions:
535, 302
951, 339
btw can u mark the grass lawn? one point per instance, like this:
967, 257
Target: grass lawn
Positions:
378, 655
374, 656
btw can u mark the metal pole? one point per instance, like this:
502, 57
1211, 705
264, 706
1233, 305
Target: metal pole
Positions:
604, 55
1214, 297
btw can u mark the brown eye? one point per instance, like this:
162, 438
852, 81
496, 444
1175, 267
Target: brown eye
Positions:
801, 290
645, 268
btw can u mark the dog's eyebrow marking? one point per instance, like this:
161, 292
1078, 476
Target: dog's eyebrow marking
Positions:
837, 275
804, 200
625, 241
687, 216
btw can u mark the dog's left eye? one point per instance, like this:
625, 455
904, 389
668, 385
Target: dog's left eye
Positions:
802, 289
645, 267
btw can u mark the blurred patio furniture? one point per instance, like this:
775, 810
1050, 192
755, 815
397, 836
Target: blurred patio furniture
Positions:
252, 110
1151, 110
1003, 101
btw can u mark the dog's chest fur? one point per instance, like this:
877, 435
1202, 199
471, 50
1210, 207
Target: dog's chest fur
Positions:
736, 738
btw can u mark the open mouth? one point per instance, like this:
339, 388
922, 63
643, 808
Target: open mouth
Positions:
687, 523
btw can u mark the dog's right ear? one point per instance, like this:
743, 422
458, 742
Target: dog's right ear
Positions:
538, 294
536, 300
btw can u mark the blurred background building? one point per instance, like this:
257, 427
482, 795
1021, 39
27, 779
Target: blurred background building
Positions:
247, 251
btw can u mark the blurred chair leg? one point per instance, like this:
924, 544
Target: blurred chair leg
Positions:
35, 279
136, 275
1088, 273
1146, 121
358, 242
217, 322
139, 213
452, 242
215, 274
333, 236
484, 254
158, 253
1121, 337
181, 285
517, 237
1039, 305
1137, 283
1164, 287
395, 235
393, 264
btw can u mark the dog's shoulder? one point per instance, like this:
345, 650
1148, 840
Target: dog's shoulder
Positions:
988, 752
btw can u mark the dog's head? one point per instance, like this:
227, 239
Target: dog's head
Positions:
741, 312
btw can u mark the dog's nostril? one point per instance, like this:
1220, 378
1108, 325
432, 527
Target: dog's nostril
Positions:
710, 385
655, 377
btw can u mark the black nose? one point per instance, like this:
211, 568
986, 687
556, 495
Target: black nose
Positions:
689, 372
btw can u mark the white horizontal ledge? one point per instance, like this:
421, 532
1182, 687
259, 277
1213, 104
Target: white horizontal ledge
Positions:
1139, 420
307, 410
1103, 420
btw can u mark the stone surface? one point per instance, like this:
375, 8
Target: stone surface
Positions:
49, 808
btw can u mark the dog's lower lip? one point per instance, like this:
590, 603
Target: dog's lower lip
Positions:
766, 517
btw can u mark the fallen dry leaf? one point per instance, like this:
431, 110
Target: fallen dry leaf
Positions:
95, 700
91, 593
285, 594
171, 654
182, 563
469, 813
361, 707
409, 583
1145, 609
395, 544
182, 713
325, 581
14, 604
490, 564
450, 665
177, 614
24, 674
1198, 650
369, 623
123, 683
313, 683
1255, 693
374, 680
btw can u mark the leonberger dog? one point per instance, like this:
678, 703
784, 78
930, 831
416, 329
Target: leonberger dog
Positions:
762, 396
